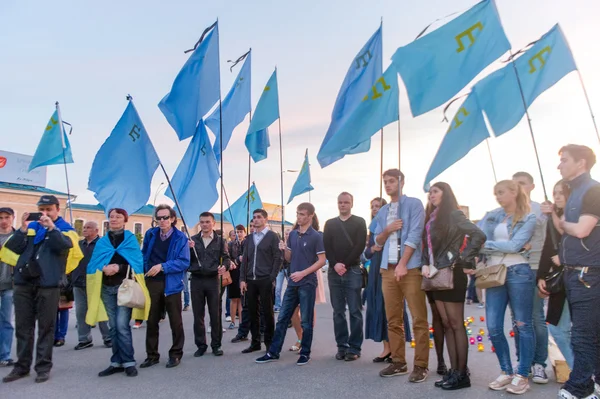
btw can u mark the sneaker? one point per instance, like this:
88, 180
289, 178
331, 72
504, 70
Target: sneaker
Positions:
539, 374
108, 343
481, 305
394, 369
500, 383
419, 374
83, 345
267, 358
302, 360
564, 394
518, 386
137, 325
59, 342
238, 338
469, 302
186, 308
7, 363
275, 310
232, 326
228, 318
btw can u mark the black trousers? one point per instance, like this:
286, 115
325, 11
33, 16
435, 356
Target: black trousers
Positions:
158, 303
35, 304
203, 291
260, 295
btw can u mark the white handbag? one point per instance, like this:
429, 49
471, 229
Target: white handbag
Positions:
130, 293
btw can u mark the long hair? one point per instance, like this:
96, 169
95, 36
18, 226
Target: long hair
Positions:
448, 205
382, 201
566, 192
523, 208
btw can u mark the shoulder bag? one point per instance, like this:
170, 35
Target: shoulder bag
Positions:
491, 276
363, 271
130, 293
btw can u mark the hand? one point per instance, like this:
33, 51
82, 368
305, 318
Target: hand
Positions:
527, 247
24, 222
282, 245
555, 260
376, 248
191, 243
542, 288
111, 270
547, 208
47, 222
297, 276
394, 226
240, 258
154, 270
233, 266
243, 287
340, 269
400, 271
221, 270
469, 271
425, 271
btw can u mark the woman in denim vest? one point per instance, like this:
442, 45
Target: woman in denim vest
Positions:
508, 230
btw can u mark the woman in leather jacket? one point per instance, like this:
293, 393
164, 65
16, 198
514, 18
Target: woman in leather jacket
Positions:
447, 230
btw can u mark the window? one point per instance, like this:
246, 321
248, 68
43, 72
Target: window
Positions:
105, 227
137, 228
78, 225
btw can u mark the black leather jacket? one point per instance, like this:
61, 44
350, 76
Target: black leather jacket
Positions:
447, 248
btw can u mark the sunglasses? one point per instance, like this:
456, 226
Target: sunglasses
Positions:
159, 218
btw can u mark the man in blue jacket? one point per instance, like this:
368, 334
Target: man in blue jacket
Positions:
166, 260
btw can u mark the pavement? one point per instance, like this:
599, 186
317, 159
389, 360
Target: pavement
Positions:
235, 375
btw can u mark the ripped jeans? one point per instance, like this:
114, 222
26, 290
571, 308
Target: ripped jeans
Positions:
516, 292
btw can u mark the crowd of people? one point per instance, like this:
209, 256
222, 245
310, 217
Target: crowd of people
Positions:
522, 253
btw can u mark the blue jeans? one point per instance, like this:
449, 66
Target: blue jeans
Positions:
585, 333
6, 327
120, 331
562, 335
62, 324
304, 296
515, 292
186, 290
472, 290
278, 289
345, 290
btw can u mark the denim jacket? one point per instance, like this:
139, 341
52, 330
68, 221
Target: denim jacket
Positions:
519, 235
413, 215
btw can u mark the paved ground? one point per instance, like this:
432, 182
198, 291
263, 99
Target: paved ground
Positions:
235, 375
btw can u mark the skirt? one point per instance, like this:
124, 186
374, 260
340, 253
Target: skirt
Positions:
458, 294
233, 289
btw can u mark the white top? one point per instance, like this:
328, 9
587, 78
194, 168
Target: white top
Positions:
501, 234
393, 238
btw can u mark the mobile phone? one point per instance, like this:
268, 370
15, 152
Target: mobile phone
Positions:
34, 216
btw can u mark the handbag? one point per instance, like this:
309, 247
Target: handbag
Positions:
364, 272
554, 281
491, 276
226, 279
130, 293
441, 281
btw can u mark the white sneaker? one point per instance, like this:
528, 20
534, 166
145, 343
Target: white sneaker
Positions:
500, 383
539, 374
518, 386
564, 394
228, 318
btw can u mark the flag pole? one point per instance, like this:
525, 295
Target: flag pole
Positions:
487, 142
587, 99
381, 168
64, 146
249, 183
281, 172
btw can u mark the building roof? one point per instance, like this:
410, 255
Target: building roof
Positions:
35, 189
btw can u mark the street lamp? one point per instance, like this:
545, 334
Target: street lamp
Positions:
158, 191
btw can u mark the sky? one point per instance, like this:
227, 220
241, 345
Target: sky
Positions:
90, 55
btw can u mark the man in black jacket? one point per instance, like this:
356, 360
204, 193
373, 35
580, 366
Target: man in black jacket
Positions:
209, 260
260, 264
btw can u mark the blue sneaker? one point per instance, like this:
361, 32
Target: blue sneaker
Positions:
302, 360
267, 358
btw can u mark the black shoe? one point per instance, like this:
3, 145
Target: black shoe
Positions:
340, 355
217, 351
442, 369
148, 363
382, 359
42, 377
59, 342
200, 352
440, 382
457, 381
173, 362
267, 358
238, 338
83, 345
108, 343
131, 371
110, 371
15, 375
351, 357
252, 348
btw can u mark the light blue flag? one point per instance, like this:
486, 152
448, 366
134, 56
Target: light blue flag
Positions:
438, 65
123, 168
236, 106
539, 68
266, 112
51, 146
238, 212
302, 184
363, 72
196, 88
379, 107
195, 180
467, 129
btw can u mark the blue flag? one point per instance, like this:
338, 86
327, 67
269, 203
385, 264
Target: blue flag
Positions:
467, 129
302, 184
538, 68
379, 107
236, 106
123, 168
51, 146
195, 180
363, 72
195, 89
438, 65
238, 212
266, 112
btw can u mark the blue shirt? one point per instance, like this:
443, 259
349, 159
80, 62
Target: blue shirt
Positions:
305, 250
413, 215
520, 234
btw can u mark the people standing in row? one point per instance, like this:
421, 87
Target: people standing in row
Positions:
7, 217
261, 263
344, 239
234, 293
166, 260
399, 226
209, 260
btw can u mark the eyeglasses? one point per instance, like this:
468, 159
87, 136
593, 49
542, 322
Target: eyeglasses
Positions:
159, 218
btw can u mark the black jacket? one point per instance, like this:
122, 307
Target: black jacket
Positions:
556, 301
446, 249
42, 264
209, 256
78, 276
268, 258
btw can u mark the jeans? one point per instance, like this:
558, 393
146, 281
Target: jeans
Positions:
207, 291
345, 290
515, 292
83, 329
6, 327
472, 290
172, 304
305, 296
227, 307
562, 335
62, 324
186, 290
585, 333
279, 288
120, 331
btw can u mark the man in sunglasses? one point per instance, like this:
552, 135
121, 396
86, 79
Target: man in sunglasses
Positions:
166, 260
